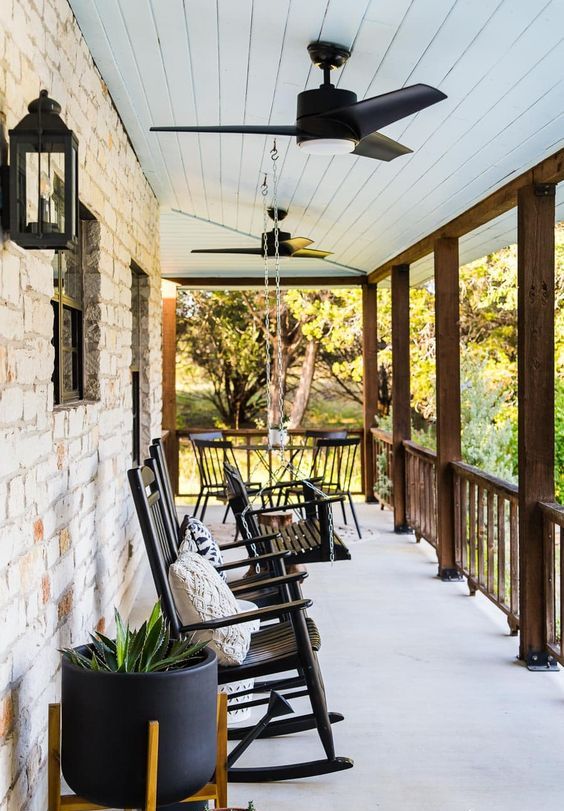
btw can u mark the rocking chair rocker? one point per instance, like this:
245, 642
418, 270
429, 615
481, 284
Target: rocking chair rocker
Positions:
275, 649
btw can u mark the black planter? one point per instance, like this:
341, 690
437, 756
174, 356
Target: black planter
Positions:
104, 731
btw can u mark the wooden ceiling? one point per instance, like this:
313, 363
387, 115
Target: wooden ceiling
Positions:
239, 61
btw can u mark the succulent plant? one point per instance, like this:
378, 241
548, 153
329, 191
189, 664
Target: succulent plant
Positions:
146, 650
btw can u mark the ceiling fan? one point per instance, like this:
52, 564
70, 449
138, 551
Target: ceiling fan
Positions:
288, 245
330, 121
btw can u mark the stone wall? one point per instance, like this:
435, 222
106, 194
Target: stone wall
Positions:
69, 544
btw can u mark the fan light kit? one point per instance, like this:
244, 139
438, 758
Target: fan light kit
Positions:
330, 120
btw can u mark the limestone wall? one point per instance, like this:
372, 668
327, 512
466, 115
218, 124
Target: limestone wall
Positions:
69, 544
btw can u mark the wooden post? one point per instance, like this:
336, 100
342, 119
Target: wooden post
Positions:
535, 319
401, 391
169, 380
370, 378
447, 331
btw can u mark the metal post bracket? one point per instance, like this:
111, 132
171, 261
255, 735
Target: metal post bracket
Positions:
541, 661
450, 575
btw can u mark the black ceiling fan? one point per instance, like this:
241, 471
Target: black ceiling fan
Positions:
330, 121
288, 245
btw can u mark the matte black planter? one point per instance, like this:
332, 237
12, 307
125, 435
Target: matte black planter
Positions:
104, 731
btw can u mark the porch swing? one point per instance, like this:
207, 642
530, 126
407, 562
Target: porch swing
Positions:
312, 538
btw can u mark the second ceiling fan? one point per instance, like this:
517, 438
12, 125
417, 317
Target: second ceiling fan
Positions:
288, 245
330, 120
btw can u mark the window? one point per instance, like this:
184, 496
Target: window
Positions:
68, 325
68, 316
137, 278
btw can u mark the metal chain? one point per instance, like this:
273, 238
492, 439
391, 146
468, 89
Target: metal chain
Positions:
280, 363
267, 341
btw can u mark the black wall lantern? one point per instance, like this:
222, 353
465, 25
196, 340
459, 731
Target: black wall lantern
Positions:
43, 179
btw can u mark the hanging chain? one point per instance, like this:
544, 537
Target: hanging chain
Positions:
279, 359
264, 192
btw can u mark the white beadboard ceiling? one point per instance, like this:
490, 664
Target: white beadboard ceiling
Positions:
244, 61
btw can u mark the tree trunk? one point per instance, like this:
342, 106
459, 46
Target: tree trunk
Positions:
303, 391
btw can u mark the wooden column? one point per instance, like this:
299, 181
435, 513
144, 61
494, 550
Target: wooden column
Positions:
447, 331
401, 391
169, 379
370, 378
535, 257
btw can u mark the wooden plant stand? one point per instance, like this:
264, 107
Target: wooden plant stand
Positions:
216, 790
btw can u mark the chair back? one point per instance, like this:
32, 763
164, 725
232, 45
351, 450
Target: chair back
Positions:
333, 462
202, 435
213, 453
311, 438
160, 546
157, 454
239, 502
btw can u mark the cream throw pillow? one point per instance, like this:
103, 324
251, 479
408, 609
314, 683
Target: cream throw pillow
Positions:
200, 595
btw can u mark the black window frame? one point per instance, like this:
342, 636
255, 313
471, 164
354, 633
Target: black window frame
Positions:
137, 275
67, 306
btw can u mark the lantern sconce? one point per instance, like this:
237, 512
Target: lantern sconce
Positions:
40, 186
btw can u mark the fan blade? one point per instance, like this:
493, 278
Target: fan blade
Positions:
296, 244
312, 253
371, 115
249, 129
380, 147
253, 251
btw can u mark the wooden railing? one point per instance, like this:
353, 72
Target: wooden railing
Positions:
487, 537
383, 481
553, 524
421, 491
256, 461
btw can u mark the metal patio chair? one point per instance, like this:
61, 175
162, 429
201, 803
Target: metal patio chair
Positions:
333, 467
212, 455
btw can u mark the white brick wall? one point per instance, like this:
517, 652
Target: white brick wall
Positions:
66, 518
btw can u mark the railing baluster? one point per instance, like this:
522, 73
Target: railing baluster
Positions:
490, 536
501, 550
514, 558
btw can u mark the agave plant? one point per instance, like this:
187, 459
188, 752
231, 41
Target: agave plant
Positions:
145, 650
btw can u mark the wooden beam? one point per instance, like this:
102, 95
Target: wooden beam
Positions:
401, 390
535, 309
550, 170
169, 384
447, 331
317, 282
370, 381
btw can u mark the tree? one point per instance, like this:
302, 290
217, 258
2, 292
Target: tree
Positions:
217, 333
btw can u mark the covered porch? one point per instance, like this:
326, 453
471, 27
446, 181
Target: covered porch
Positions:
439, 713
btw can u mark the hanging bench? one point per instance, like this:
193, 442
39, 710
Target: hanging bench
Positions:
309, 540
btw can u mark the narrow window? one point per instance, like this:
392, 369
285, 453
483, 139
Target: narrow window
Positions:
68, 374
137, 277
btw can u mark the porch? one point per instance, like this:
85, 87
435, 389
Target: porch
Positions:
439, 713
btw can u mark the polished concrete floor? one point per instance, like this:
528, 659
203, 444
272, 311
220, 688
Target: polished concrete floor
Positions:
439, 715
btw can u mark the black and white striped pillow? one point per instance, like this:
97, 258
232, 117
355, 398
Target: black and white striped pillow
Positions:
196, 537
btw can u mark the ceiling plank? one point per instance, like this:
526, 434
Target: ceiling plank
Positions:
550, 170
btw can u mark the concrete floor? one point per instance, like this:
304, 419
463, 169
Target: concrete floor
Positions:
439, 716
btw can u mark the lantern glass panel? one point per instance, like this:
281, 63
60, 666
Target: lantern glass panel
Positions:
41, 189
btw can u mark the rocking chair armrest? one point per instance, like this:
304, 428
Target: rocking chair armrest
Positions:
257, 559
249, 541
270, 612
268, 583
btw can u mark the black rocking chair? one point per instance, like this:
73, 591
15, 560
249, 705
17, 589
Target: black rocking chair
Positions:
309, 540
275, 649
270, 567
333, 466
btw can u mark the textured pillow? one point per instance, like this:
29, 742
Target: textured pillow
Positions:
196, 537
200, 595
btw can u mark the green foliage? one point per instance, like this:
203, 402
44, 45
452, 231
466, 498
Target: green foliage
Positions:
487, 428
559, 442
147, 650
